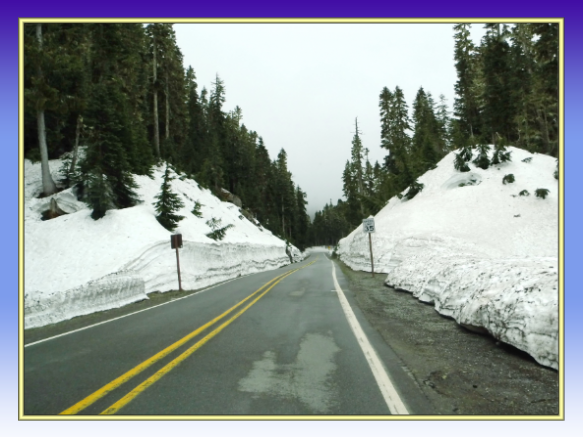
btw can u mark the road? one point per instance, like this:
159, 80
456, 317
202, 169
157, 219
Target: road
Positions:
286, 342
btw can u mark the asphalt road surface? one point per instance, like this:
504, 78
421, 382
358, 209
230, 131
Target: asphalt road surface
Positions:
284, 342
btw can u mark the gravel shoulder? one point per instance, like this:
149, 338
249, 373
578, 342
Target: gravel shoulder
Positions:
459, 371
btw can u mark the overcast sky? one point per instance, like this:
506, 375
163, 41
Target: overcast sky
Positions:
301, 86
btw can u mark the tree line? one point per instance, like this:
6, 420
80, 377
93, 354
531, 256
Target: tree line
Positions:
506, 93
116, 100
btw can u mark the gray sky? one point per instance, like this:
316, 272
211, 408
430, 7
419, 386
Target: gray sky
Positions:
301, 86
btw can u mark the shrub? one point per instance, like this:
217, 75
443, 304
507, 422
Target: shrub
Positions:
500, 154
168, 203
218, 233
460, 163
527, 160
524, 193
508, 179
196, 209
414, 189
541, 192
482, 159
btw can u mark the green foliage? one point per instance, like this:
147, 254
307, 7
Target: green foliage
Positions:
508, 86
524, 193
218, 232
501, 154
466, 153
98, 194
168, 203
105, 75
460, 163
508, 179
482, 159
196, 209
527, 160
414, 189
541, 192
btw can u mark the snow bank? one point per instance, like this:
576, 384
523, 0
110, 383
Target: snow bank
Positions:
318, 249
483, 254
75, 265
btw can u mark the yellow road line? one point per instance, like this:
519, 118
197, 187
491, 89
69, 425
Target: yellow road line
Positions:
168, 367
81, 405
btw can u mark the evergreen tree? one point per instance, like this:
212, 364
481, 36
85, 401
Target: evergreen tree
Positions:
399, 143
426, 146
195, 151
168, 203
499, 106
105, 165
465, 105
500, 154
169, 83
482, 160
546, 50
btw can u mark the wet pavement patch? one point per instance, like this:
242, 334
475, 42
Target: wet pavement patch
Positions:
306, 380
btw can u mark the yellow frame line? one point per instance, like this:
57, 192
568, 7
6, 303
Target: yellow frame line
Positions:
172, 364
81, 405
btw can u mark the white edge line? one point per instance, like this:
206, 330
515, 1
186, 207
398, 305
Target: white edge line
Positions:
130, 314
392, 398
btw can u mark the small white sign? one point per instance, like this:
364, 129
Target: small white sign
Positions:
368, 225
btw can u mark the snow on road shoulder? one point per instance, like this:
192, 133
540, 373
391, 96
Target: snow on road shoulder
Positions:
482, 253
75, 265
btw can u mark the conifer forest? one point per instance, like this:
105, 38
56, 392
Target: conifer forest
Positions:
116, 99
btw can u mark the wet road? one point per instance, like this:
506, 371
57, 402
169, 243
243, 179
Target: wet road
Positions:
285, 342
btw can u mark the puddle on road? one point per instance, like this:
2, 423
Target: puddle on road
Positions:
307, 380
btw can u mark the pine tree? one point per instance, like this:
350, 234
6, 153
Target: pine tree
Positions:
196, 150
482, 160
426, 145
500, 154
168, 203
399, 142
465, 105
500, 105
105, 166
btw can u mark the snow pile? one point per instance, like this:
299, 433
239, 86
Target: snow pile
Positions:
477, 249
318, 249
75, 265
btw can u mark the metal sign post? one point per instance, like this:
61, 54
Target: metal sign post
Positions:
368, 228
175, 243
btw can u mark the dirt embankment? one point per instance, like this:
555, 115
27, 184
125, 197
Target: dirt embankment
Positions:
460, 372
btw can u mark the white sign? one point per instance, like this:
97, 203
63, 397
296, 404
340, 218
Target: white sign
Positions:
368, 225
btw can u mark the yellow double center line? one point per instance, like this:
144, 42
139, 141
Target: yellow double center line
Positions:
79, 406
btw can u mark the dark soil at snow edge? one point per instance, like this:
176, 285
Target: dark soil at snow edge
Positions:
459, 371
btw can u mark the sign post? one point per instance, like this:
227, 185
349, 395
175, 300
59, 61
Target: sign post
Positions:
368, 228
175, 243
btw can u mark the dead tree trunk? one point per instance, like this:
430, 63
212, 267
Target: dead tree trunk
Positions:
49, 186
156, 127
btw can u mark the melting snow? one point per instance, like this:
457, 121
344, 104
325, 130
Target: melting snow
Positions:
74, 265
483, 254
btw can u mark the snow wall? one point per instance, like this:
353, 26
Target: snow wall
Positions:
75, 265
481, 252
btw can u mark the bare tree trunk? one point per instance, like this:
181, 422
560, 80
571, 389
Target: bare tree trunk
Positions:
156, 127
76, 147
282, 219
544, 130
49, 186
167, 109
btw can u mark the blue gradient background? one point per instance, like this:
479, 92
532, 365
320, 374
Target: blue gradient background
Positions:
9, 15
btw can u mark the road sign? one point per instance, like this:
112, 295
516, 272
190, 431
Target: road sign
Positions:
175, 243
368, 225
